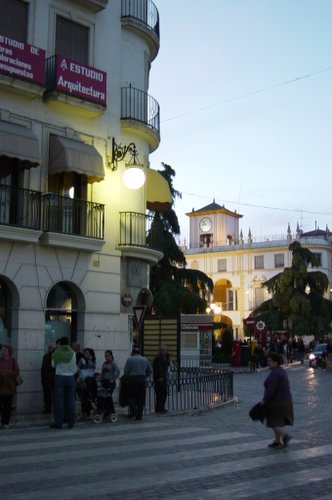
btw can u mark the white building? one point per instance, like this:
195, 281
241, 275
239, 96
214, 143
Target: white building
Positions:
74, 109
239, 266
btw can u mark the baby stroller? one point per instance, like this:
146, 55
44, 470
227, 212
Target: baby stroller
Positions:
96, 401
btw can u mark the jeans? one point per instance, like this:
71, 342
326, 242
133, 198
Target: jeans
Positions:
64, 392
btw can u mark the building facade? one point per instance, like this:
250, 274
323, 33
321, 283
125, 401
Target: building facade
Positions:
75, 116
239, 266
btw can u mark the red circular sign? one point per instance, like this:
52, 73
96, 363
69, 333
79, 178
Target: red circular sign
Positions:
126, 299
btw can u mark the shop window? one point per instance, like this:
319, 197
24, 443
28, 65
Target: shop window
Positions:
318, 257
72, 40
279, 260
189, 340
258, 296
206, 240
61, 314
5, 308
231, 304
222, 265
14, 19
259, 261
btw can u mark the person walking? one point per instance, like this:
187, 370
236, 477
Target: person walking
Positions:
277, 402
9, 370
64, 362
161, 364
301, 350
47, 374
136, 370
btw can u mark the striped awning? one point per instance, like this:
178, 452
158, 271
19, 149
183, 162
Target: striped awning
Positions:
72, 155
19, 142
158, 197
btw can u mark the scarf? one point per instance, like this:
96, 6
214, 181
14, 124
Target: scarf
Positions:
62, 355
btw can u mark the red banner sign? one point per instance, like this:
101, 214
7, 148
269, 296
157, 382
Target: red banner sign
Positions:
21, 60
80, 80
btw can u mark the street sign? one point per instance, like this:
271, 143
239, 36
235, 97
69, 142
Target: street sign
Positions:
260, 325
139, 312
249, 321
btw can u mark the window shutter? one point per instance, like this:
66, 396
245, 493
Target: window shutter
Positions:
72, 40
14, 10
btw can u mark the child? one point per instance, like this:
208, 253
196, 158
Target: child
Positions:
104, 398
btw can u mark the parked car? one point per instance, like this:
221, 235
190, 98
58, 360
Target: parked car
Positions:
318, 356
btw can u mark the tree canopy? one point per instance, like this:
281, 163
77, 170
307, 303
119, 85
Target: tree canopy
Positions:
175, 288
297, 297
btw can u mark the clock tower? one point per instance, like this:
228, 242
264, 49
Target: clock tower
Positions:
213, 225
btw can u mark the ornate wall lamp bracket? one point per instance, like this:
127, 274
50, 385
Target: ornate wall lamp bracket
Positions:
119, 152
134, 176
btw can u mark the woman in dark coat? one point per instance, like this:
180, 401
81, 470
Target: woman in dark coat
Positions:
9, 369
277, 401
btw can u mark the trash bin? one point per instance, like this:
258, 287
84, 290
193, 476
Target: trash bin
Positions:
245, 355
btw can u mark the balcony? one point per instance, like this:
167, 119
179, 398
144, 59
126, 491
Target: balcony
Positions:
140, 111
139, 237
142, 16
72, 223
20, 214
25, 214
71, 83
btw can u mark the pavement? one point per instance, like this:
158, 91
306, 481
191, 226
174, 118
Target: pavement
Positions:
212, 454
32, 419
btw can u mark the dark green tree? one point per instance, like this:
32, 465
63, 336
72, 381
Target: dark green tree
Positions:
297, 297
175, 288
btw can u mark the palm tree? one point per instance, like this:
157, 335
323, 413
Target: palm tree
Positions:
175, 289
297, 297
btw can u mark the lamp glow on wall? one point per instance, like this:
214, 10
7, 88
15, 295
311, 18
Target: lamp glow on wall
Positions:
134, 175
214, 309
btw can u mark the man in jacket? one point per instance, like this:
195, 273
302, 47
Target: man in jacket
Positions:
47, 373
160, 378
136, 369
64, 362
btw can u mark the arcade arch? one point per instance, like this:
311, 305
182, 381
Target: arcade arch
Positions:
64, 315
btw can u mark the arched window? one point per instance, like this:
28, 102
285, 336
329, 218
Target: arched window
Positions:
61, 314
5, 308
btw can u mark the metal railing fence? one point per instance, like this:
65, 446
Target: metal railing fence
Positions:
141, 107
20, 207
135, 230
61, 214
198, 390
144, 11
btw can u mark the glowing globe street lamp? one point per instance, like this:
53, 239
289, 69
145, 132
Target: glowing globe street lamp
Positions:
214, 309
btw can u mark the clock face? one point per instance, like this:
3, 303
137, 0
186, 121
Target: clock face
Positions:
205, 224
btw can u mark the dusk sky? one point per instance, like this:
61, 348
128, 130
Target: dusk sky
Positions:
245, 91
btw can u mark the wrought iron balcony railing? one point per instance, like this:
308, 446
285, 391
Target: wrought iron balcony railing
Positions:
144, 11
20, 207
139, 230
71, 216
140, 106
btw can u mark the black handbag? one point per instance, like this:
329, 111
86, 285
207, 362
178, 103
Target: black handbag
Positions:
257, 412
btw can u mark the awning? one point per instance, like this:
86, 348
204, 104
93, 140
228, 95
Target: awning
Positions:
158, 196
19, 142
71, 155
